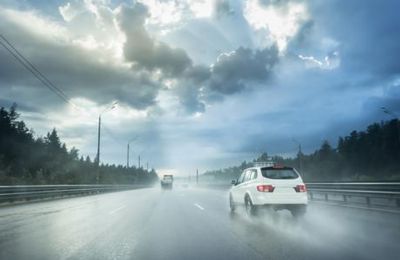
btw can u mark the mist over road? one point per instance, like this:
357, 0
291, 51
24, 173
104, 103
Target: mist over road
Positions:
190, 223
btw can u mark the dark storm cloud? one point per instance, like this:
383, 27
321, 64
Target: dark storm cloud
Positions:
232, 71
332, 103
75, 70
144, 51
196, 85
368, 36
369, 33
188, 89
230, 74
148, 54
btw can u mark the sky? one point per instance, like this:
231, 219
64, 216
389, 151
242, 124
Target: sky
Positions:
201, 83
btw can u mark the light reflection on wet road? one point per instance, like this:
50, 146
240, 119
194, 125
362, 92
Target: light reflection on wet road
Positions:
189, 223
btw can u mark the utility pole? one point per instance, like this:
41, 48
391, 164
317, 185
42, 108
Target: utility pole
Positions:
98, 140
197, 176
147, 166
98, 151
128, 151
139, 161
127, 157
300, 154
299, 157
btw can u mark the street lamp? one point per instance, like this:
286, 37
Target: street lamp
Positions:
128, 150
139, 157
113, 105
299, 154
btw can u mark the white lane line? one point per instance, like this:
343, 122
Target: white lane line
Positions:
197, 205
116, 210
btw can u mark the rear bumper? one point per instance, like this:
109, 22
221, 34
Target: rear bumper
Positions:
291, 207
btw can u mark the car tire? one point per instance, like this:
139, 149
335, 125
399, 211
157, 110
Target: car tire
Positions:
251, 210
232, 205
298, 211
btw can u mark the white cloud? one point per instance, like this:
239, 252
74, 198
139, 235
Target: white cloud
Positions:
91, 25
330, 61
35, 23
165, 13
202, 8
281, 23
67, 12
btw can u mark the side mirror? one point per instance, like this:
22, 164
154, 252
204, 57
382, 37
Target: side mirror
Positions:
234, 182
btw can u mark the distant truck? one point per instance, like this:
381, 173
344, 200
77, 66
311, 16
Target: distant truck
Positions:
167, 181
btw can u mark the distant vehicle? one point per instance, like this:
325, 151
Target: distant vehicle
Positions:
167, 181
276, 186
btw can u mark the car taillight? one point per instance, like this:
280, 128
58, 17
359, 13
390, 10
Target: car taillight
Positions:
265, 188
300, 188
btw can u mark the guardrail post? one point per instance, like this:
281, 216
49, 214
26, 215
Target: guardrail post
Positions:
311, 195
326, 196
344, 198
368, 200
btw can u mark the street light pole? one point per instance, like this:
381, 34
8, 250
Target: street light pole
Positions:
128, 151
299, 155
98, 139
127, 157
98, 142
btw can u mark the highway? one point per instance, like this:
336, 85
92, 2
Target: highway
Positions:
190, 223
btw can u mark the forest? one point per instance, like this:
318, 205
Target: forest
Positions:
369, 155
26, 159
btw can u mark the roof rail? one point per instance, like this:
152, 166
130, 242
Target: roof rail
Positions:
264, 164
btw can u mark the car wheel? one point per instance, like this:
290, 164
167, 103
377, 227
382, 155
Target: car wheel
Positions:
231, 204
251, 210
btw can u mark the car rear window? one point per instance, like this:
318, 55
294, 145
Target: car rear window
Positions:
279, 173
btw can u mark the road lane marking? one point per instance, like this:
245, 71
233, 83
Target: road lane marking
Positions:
116, 210
200, 207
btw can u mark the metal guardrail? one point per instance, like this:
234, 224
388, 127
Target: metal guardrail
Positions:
370, 194
381, 194
32, 192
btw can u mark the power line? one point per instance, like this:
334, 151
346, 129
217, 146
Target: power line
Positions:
35, 72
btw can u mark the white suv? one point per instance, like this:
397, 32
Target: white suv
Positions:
275, 186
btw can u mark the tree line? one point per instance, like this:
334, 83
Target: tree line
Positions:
25, 159
369, 155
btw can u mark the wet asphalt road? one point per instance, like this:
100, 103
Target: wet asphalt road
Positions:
190, 223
